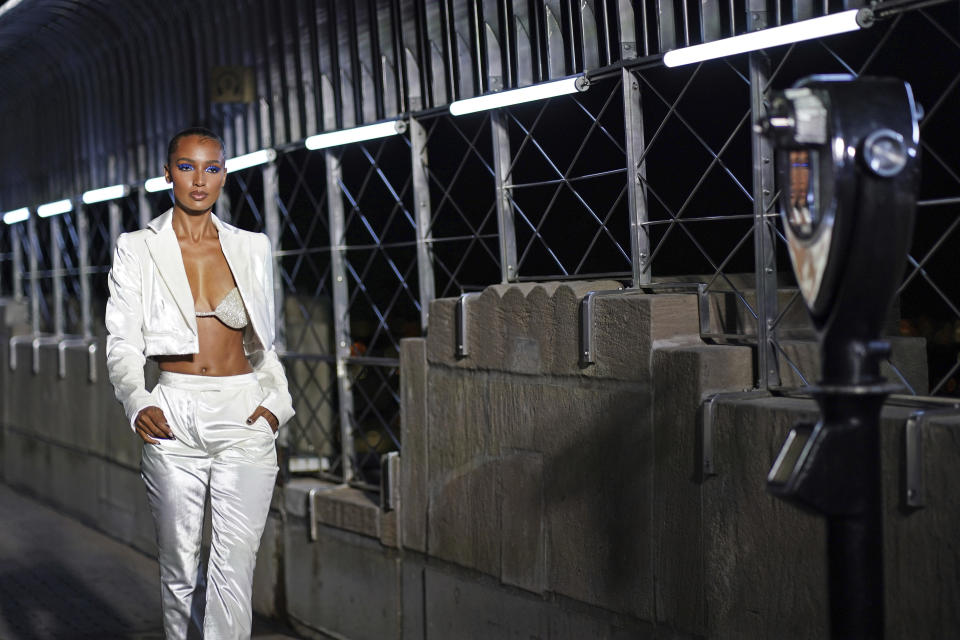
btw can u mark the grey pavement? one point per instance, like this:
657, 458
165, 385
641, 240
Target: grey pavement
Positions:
60, 580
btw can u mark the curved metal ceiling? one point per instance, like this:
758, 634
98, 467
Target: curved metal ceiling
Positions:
90, 90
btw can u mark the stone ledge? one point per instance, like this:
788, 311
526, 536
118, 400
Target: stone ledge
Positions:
336, 505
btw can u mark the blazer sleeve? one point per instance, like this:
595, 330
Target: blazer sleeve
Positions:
124, 322
266, 364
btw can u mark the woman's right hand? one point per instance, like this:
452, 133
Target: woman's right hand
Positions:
151, 423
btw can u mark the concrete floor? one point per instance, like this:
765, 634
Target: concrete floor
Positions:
61, 580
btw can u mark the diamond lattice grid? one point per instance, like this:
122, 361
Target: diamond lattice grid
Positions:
463, 222
568, 191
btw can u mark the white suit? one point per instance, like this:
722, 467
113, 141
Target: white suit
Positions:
151, 312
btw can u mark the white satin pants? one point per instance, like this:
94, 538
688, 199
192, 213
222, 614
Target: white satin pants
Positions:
216, 450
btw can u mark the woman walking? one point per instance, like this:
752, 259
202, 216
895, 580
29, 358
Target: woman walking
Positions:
196, 294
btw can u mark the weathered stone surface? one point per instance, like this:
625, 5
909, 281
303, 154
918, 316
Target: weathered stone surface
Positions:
534, 329
766, 566
523, 552
342, 584
462, 607
594, 442
922, 567
763, 558
413, 600
414, 460
350, 509
682, 375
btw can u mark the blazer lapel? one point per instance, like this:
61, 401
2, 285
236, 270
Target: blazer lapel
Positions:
236, 249
165, 251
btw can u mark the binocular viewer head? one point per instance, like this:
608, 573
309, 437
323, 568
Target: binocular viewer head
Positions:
848, 171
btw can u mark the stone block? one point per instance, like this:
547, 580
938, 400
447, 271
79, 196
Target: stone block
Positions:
627, 327
343, 584
682, 377
462, 607
765, 560
414, 460
922, 568
351, 509
74, 482
121, 489
25, 460
523, 552
413, 600
594, 439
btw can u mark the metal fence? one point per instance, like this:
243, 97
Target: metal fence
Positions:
653, 176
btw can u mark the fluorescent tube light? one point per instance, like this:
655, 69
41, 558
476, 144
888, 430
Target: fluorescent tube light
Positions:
357, 134
54, 208
772, 37
157, 184
251, 159
516, 96
17, 215
105, 193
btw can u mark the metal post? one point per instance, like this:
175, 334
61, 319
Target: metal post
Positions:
341, 309
34, 279
115, 222
143, 208
423, 213
271, 215
636, 179
83, 247
765, 257
17, 275
507, 229
56, 255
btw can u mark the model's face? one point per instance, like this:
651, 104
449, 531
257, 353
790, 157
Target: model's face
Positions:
197, 173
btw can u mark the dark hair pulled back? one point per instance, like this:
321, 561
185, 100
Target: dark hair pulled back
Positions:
202, 132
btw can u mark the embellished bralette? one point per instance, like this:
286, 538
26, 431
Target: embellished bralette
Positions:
230, 311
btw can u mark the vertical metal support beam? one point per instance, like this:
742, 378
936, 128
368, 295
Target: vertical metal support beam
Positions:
83, 260
34, 277
17, 241
764, 250
271, 218
225, 207
423, 216
115, 222
636, 179
56, 255
143, 208
505, 224
341, 309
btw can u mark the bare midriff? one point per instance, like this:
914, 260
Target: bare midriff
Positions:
220, 354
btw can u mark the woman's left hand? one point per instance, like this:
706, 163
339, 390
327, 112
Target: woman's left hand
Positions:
267, 415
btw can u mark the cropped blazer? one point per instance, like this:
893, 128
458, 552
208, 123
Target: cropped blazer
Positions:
150, 311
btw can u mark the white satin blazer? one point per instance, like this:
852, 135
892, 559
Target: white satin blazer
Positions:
150, 311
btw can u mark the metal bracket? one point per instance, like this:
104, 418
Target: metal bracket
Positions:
390, 481
587, 349
460, 323
312, 513
915, 488
37, 343
91, 346
14, 341
707, 465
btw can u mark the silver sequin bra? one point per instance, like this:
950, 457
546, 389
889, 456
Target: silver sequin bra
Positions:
230, 311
